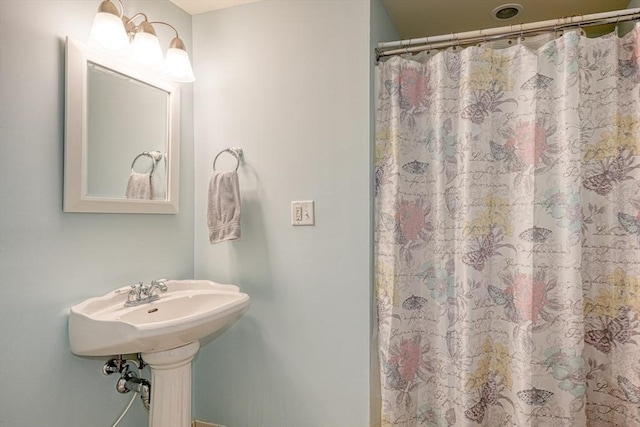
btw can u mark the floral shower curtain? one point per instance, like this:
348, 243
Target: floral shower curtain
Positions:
508, 235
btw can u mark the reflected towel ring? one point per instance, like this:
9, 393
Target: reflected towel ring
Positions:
235, 152
147, 154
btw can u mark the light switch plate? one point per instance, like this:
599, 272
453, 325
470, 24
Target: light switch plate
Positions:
302, 213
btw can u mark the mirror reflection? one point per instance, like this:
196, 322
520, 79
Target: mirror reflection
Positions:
127, 136
122, 135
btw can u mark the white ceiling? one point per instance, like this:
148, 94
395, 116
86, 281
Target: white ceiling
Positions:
421, 18
200, 6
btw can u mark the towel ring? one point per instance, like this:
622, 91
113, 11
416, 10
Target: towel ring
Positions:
144, 153
235, 152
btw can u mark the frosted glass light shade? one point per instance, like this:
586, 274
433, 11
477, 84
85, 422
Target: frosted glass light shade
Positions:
108, 30
146, 49
178, 66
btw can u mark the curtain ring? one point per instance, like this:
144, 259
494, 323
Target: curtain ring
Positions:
457, 41
582, 33
405, 47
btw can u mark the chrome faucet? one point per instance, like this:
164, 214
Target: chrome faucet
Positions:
143, 294
160, 285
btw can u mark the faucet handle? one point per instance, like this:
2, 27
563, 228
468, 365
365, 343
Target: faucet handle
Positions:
134, 293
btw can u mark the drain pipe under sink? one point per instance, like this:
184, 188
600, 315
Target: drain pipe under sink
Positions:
129, 381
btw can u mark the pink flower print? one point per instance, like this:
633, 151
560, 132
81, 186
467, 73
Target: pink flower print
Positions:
407, 357
411, 218
529, 296
413, 87
529, 142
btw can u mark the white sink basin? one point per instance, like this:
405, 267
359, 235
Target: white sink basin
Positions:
188, 311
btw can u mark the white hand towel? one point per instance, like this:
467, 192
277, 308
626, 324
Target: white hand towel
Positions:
223, 208
139, 186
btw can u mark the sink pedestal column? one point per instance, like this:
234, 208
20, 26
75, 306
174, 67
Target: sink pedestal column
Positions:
171, 386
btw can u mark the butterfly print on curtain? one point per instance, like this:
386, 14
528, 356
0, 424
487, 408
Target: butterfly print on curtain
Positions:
630, 224
507, 235
630, 390
484, 103
535, 234
611, 333
534, 396
485, 248
488, 396
615, 171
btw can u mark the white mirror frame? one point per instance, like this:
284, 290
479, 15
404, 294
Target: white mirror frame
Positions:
76, 130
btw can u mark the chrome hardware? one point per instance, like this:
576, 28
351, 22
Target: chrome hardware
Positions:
143, 294
234, 151
119, 364
135, 295
160, 285
129, 381
114, 365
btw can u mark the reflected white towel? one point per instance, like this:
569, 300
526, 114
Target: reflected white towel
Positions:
139, 186
223, 207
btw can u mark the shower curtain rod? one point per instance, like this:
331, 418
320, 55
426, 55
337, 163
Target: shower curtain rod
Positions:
471, 37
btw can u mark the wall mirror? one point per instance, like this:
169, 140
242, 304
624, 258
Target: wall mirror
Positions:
122, 135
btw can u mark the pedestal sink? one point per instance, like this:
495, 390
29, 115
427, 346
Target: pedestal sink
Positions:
166, 331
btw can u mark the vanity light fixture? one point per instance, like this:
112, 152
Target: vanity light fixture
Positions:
112, 30
108, 29
178, 66
145, 44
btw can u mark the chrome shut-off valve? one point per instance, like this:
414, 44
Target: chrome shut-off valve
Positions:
129, 380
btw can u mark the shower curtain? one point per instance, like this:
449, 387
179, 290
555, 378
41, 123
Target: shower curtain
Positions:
507, 240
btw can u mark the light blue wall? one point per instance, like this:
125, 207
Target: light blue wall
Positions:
289, 82
51, 260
